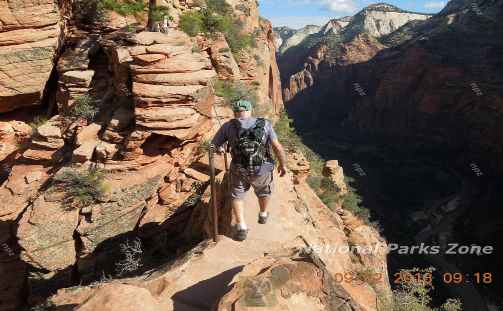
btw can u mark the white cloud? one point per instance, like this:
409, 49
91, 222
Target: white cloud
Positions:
342, 6
297, 22
434, 4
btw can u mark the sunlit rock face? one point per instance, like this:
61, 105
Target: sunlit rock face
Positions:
30, 35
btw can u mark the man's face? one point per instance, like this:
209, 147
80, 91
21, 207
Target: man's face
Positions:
242, 114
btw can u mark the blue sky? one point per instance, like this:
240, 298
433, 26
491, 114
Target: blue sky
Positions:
298, 13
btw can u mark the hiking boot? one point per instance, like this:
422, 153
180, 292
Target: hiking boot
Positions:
262, 219
241, 234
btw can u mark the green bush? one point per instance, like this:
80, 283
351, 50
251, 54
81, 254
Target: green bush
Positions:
83, 107
80, 188
220, 6
214, 22
238, 41
352, 201
216, 17
158, 13
414, 294
124, 8
233, 91
192, 23
204, 147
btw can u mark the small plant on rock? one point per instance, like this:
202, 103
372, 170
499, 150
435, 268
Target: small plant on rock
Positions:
132, 253
414, 294
233, 91
84, 107
204, 147
80, 188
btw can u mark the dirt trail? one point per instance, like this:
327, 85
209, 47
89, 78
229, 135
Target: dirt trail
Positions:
207, 278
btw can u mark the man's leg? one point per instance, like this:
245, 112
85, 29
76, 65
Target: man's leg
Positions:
239, 187
264, 203
238, 210
263, 189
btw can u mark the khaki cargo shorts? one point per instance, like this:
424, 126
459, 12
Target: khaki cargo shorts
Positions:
240, 184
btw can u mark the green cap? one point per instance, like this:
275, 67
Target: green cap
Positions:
241, 105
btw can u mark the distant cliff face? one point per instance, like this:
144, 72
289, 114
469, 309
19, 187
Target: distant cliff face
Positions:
431, 79
381, 19
290, 37
374, 21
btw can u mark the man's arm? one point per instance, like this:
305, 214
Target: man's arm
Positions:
220, 138
281, 154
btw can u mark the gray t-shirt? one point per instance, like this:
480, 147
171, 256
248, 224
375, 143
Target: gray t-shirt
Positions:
228, 133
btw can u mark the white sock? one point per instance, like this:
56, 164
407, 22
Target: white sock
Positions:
263, 214
242, 226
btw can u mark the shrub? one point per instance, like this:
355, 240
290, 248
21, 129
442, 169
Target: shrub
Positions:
132, 254
192, 23
220, 6
80, 188
238, 41
214, 22
351, 202
88, 11
84, 107
233, 91
124, 8
414, 294
216, 17
158, 13
204, 147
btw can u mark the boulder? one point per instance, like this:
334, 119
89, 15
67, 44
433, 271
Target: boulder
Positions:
45, 233
223, 60
173, 37
333, 171
299, 165
88, 133
84, 152
81, 78
295, 282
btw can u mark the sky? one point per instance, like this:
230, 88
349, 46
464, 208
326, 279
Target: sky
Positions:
298, 13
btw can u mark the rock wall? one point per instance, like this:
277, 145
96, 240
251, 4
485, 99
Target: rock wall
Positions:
31, 33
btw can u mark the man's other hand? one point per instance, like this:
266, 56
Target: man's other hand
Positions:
281, 170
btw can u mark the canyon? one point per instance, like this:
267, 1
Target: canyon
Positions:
110, 107
417, 109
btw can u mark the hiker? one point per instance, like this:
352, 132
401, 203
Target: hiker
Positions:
250, 141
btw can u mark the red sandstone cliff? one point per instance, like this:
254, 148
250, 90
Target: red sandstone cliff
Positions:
156, 106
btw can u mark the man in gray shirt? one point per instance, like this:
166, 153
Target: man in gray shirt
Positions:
250, 172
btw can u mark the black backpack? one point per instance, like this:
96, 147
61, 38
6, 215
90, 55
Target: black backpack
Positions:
250, 150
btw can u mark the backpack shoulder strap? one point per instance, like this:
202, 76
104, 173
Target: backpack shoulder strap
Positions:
260, 123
